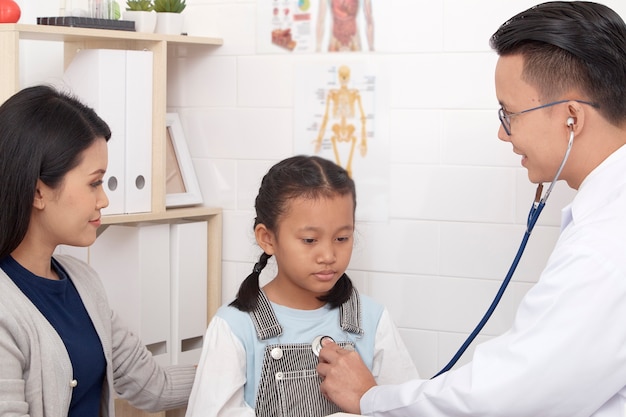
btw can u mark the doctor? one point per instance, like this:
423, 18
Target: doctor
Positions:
561, 73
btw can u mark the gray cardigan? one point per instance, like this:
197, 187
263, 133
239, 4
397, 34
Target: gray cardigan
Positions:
35, 369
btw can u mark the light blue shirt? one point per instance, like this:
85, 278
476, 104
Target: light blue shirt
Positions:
299, 326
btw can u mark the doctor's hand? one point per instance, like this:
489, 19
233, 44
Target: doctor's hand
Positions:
345, 378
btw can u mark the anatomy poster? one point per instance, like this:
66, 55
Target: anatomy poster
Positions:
293, 26
339, 115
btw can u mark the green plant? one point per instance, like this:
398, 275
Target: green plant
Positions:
139, 5
170, 6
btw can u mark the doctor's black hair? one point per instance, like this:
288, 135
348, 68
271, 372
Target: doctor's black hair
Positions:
43, 133
566, 46
298, 176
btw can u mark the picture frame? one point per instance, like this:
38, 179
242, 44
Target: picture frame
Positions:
181, 184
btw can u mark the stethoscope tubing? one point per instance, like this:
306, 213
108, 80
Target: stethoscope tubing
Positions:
558, 172
533, 216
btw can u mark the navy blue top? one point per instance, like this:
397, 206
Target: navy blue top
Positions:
61, 305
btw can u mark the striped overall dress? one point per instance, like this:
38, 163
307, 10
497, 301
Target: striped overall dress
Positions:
290, 385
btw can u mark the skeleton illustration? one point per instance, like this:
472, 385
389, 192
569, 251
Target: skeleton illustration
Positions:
344, 101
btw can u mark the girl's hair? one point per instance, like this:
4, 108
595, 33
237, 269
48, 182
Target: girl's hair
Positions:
299, 176
43, 133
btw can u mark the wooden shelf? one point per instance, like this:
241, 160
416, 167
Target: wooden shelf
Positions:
76, 34
186, 213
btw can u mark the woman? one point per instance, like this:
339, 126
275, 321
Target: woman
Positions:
63, 352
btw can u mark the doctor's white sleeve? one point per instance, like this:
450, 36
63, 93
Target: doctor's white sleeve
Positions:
564, 356
218, 389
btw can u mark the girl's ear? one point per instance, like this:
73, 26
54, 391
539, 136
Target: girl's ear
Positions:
265, 238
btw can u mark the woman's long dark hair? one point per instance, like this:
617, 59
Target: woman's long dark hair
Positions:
298, 176
43, 134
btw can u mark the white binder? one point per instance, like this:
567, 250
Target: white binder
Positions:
138, 135
98, 78
134, 265
188, 254
118, 85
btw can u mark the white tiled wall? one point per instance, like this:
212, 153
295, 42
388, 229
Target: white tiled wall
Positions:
458, 197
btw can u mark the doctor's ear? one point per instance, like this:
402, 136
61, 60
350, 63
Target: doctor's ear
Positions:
576, 113
265, 238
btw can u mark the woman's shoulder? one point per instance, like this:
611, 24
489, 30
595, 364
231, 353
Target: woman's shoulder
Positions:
80, 272
12, 296
73, 264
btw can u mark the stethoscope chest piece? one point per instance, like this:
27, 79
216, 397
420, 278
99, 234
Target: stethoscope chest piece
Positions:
316, 345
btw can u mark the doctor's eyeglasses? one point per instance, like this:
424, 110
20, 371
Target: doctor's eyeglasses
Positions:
505, 117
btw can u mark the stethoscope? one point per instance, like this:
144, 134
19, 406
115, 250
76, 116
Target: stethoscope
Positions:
533, 216
316, 344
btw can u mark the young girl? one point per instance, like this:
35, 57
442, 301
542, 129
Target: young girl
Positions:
260, 352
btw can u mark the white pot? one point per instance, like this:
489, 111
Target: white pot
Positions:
169, 23
144, 21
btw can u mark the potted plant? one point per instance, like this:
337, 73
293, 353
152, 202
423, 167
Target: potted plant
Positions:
139, 5
169, 6
142, 13
169, 16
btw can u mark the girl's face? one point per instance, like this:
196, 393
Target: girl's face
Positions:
312, 247
70, 214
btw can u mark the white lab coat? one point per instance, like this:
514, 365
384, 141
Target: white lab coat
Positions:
566, 352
